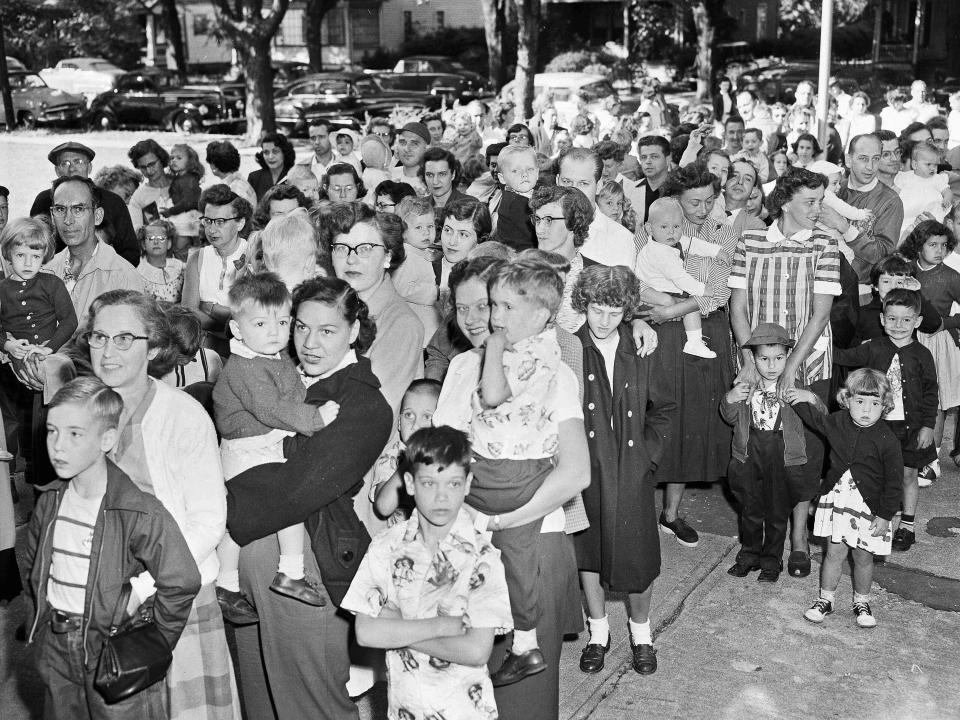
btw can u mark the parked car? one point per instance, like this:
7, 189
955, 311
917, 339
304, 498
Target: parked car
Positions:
14, 64
84, 75
565, 88
441, 65
344, 99
154, 98
36, 104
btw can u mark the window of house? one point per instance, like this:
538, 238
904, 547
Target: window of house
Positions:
333, 28
365, 23
290, 31
201, 24
440, 19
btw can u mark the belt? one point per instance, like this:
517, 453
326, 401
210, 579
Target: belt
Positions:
64, 622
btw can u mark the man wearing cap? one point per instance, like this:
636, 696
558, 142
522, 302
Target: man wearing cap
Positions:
412, 142
75, 159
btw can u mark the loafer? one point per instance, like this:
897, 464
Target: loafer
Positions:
679, 528
644, 659
303, 590
592, 657
768, 575
235, 607
516, 667
798, 564
739, 569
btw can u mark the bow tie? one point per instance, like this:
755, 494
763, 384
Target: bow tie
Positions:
240, 261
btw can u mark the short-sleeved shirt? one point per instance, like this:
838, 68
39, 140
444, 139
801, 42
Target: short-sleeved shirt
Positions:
164, 283
463, 577
781, 275
522, 427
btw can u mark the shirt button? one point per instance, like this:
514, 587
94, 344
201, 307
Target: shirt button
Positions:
590, 377
591, 406
629, 443
23, 302
591, 433
629, 413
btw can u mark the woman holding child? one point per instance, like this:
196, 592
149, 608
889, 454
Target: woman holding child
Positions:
295, 663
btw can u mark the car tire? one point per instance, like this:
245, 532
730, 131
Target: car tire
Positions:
27, 120
186, 123
101, 121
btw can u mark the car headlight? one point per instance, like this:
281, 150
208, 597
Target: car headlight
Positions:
203, 110
238, 104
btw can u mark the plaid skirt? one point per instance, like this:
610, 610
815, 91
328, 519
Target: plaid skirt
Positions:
843, 516
200, 683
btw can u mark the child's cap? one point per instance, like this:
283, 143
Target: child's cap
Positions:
769, 334
824, 168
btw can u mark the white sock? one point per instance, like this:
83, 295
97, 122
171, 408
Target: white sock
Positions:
827, 594
599, 630
936, 466
694, 335
858, 598
291, 566
229, 580
640, 633
524, 641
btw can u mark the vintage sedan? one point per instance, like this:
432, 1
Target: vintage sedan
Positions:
36, 104
441, 71
84, 75
154, 98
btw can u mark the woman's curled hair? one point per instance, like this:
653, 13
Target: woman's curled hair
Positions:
337, 293
921, 233
789, 184
615, 286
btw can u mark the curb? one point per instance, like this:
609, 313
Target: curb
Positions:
667, 611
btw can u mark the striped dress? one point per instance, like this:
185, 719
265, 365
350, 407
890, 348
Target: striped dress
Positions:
781, 276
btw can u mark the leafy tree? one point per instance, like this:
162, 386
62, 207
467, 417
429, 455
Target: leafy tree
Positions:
805, 14
528, 22
494, 23
251, 30
171, 22
316, 11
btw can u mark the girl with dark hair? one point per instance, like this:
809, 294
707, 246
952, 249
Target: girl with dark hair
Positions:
277, 201
464, 224
519, 134
275, 158
806, 150
151, 196
331, 331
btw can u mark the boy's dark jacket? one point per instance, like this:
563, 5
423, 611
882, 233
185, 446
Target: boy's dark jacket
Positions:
133, 533
794, 441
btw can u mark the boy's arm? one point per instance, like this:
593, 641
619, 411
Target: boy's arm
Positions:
471, 649
261, 392
892, 464
494, 388
389, 631
930, 398
810, 409
387, 496
66, 316
858, 356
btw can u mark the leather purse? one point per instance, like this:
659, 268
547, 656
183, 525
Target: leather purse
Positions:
135, 655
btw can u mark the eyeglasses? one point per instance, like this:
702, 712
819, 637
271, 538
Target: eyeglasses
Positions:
889, 154
148, 166
68, 164
342, 189
219, 222
363, 250
121, 341
545, 220
75, 210
156, 238
384, 206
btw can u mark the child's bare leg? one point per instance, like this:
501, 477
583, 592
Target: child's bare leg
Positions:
832, 566
593, 595
695, 345
910, 491
639, 605
228, 553
862, 571
291, 551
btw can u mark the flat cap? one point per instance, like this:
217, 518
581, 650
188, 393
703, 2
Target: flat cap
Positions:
70, 147
418, 129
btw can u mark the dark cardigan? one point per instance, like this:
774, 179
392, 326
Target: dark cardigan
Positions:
322, 474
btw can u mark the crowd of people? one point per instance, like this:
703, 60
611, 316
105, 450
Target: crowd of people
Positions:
416, 391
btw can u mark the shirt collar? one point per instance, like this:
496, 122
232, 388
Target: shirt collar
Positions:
238, 348
460, 535
776, 236
854, 185
349, 359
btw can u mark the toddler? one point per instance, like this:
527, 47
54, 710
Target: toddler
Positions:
660, 267
910, 370
923, 189
416, 412
415, 279
347, 141
753, 151
258, 401
431, 591
162, 275
186, 172
86, 540
859, 217
865, 478
613, 203
518, 172
893, 271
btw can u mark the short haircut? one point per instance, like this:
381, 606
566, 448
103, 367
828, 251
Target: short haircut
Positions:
789, 184
557, 262
658, 140
469, 208
493, 150
436, 117
395, 190
938, 122
754, 131
578, 211
96, 196
281, 191
886, 136
895, 265
586, 155
608, 150
665, 204
689, 177
289, 241
185, 329
320, 122
169, 229
442, 446
901, 297
614, 287
32, 232
345, 169
90, 391
222, 155
113, 176
733, 120
414, 207
265, 289
532, 279
925, 146
512, 151
925, 230
865, 381
425, 386
5, 192
221, 195
855, 140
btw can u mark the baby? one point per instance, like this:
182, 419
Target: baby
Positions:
753, 151
923, 189
347, 142
660, 268
517, 169
861, 218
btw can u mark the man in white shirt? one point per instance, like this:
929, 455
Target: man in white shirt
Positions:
608, 242
323, 156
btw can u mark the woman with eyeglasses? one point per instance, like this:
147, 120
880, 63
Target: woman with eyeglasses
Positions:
210, 273
151, 160
168, 446
365, 248
276, 158
342, 183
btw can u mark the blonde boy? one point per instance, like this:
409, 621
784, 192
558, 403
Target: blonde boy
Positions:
518, 172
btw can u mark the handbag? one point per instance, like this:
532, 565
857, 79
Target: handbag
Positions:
135, 654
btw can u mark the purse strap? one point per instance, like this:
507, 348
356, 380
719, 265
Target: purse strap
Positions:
121, 608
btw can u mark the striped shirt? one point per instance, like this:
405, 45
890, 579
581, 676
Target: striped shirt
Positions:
781, 275
72, 541
711, 271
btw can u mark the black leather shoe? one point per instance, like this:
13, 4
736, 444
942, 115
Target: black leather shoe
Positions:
798, 564
236, 608
768, 575
303, 590
644, 659
516, 667
592, 656
739, 569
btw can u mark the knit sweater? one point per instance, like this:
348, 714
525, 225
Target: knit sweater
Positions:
38, 310
941, 287
868, 321
879, 240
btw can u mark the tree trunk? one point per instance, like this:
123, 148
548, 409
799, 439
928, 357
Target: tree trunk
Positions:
704, 25
315, 12
493, 22
171, 23
7, 98
528, 28
261, 116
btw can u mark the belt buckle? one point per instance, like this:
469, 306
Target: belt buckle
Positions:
61, 622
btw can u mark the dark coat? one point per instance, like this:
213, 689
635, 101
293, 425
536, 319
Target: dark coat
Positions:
262, 180
322, 474
622, 542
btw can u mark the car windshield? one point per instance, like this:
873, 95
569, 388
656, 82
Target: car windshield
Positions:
104, 66
596, 90
321, 87
33, 81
